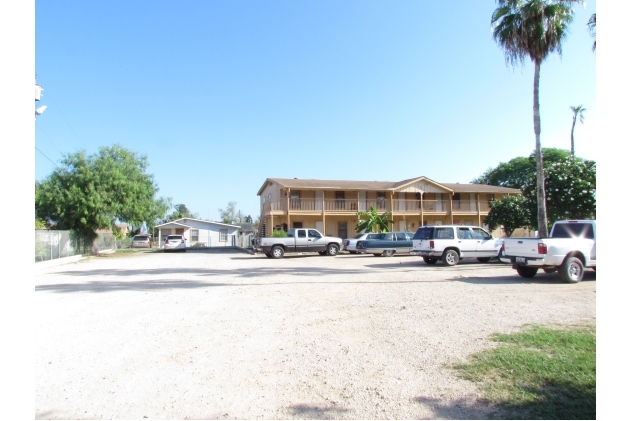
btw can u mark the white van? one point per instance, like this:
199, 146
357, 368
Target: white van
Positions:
450, 243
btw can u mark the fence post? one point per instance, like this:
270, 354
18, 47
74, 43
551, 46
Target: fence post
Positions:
59, 244
50, 243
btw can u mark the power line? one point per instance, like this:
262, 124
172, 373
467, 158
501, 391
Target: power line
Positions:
67, 122
46, 157
48, 137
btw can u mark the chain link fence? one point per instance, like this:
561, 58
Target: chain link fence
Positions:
52, 244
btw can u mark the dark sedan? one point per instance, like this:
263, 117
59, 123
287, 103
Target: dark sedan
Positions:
387, 244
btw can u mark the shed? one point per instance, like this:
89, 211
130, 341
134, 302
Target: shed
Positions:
199, 233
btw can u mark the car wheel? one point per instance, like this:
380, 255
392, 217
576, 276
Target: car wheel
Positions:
483, 259
430, 260
388, 253
572, 270
278, 252
451, 257
549, 270
332, 249
527, 271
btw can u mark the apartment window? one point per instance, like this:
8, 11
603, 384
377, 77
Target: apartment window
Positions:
296, 224
339, 200
194, 235
295, 200
456, 200
381, 200
223, 235
490, 198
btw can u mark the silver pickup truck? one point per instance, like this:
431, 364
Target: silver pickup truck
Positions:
570, 249
298, 240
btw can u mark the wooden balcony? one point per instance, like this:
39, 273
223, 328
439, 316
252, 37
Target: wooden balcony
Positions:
352, 206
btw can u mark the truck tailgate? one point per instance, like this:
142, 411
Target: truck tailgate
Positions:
522, 247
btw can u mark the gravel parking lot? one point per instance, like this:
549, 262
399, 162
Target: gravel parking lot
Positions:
207, 335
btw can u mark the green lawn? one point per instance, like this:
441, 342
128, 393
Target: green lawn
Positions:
538, 373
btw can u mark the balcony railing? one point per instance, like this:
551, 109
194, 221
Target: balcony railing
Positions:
353, 205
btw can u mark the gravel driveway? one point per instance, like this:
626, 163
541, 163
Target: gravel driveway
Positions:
230, 335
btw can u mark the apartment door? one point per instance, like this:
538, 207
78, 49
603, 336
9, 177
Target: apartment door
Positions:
341, 230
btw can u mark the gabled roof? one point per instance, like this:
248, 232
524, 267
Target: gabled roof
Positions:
179, 222
311, 184
479, 188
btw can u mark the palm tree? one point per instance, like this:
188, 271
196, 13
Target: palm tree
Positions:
578, 112
591, 25
533, 29
373, 221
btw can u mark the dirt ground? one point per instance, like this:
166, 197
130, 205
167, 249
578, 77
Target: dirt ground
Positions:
203, 335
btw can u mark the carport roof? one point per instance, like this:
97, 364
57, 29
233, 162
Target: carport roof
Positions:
172, 223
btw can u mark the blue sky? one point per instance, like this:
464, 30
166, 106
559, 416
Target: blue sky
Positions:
220, 95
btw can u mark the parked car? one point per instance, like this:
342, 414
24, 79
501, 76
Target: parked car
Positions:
175, 243
387, 244
570, 249
350, 244
451, 243
141, 241
298, 240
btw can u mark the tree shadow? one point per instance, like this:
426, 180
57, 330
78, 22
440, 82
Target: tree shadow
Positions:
459, 409
317, 412
561, 400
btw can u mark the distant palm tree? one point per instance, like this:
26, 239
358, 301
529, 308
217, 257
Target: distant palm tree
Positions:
533, 29
373, 221
578, 112
591, 25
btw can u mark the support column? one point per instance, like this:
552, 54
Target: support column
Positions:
422, 216
479, 210
451, 208
288, 217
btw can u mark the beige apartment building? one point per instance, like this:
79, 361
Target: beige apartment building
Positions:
331, 206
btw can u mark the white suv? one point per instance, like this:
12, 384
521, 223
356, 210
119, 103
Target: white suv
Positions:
450, 243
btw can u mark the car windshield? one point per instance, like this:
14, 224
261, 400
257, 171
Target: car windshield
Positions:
174, 237
140, 237
357, 237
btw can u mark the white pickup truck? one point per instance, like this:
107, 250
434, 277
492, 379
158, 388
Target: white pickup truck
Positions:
570, 249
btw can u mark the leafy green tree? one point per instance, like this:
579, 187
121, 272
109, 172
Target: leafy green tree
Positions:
373, 221
591, 26
517, 172
577, 113
230, 215
91, 192
180, 211
570, 190
533, 29
512, 212
40, 224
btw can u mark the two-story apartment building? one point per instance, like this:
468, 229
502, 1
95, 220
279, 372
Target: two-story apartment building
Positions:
331, 206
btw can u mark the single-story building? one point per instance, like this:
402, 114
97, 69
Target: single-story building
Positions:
200, 233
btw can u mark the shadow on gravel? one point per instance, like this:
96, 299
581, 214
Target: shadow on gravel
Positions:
316, 412
457, 410
540, 278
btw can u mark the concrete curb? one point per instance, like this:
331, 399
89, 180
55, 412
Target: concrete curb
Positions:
58, 262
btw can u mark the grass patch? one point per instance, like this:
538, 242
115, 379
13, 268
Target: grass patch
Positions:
538, 373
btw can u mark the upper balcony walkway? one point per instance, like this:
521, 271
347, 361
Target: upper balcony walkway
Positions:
351, 207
